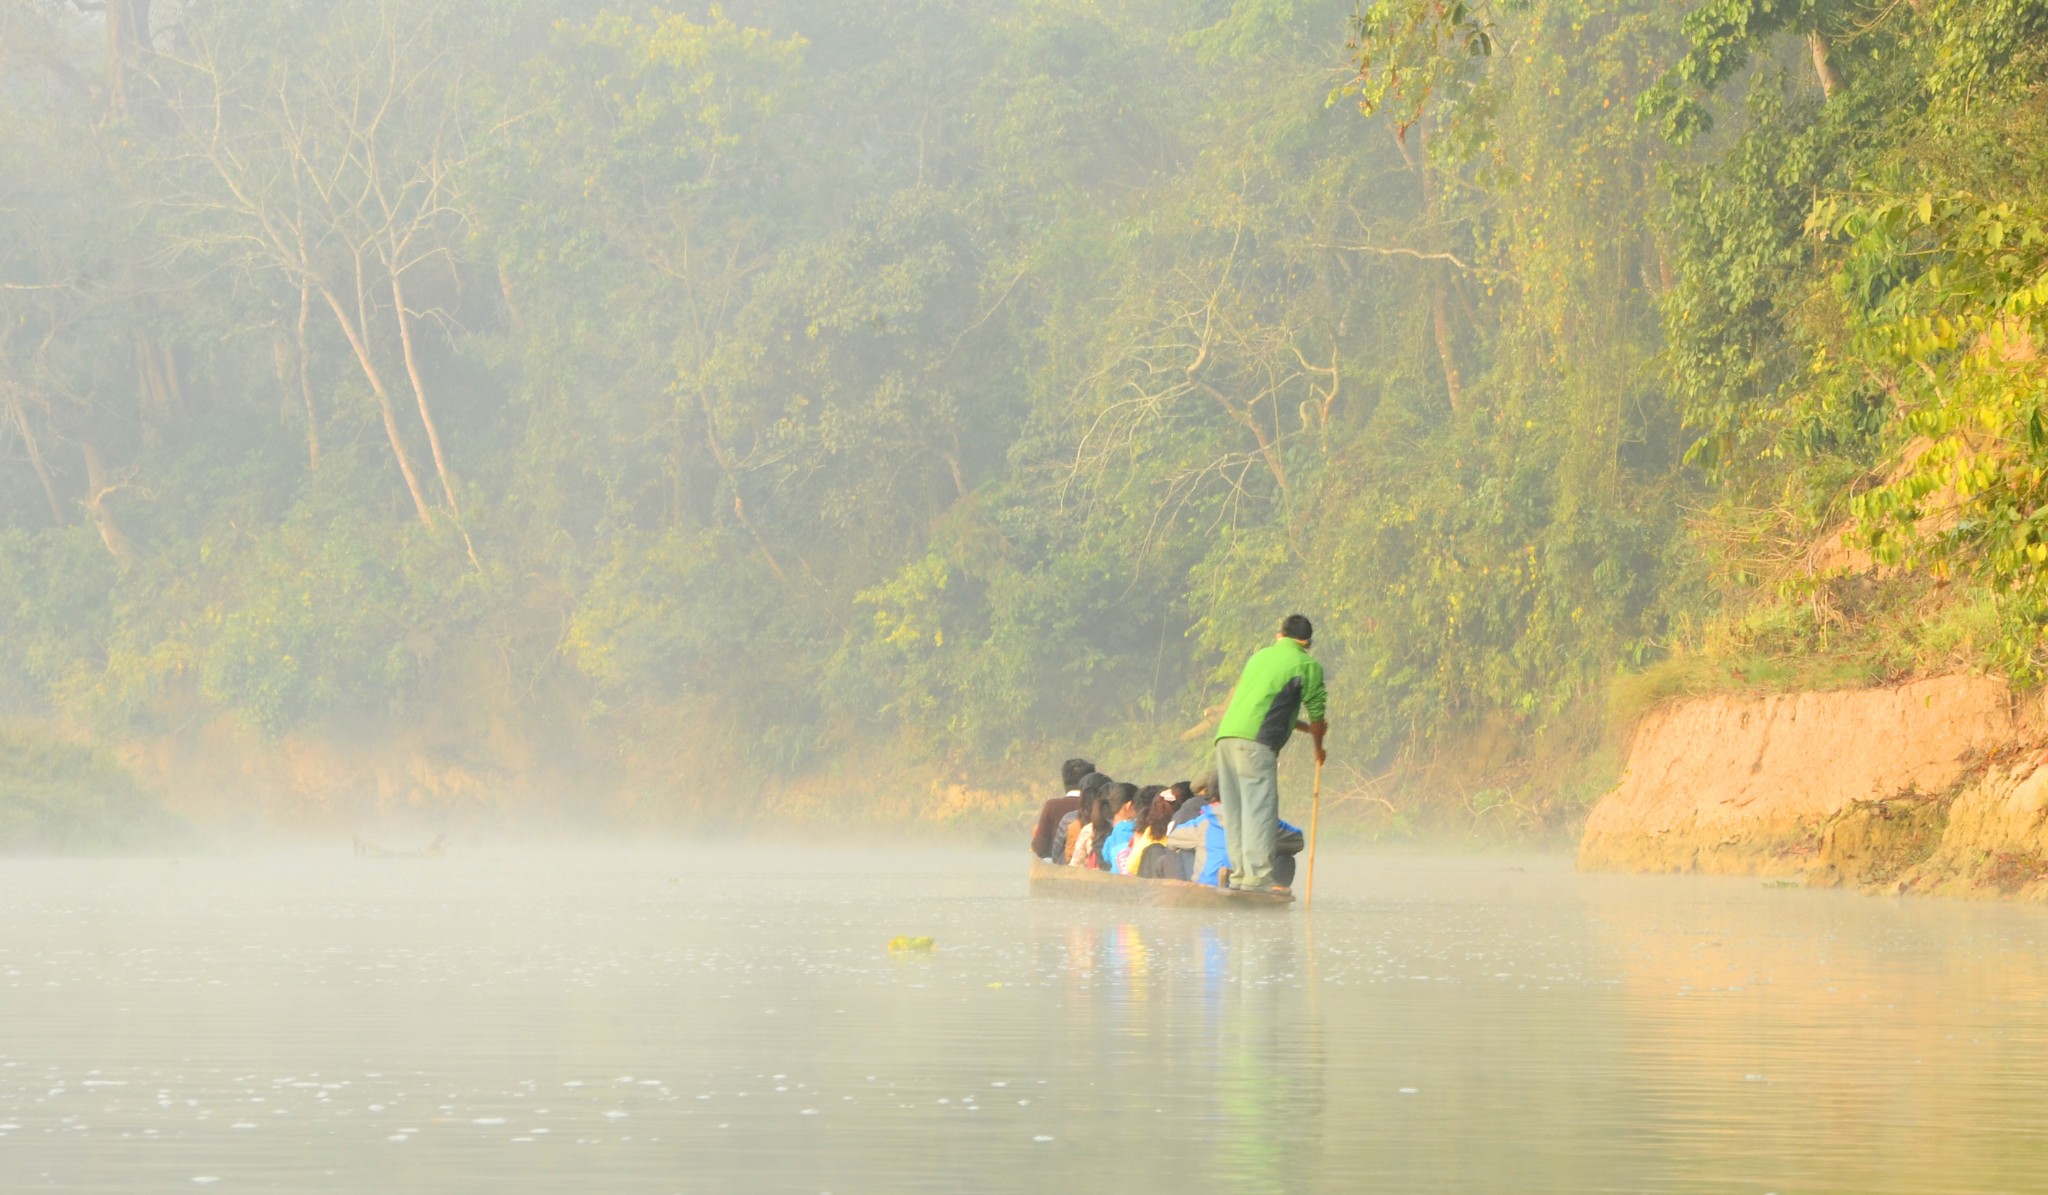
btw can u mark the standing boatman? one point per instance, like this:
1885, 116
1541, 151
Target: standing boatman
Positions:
1280, 683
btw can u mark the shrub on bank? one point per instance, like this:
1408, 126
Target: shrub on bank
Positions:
57, 795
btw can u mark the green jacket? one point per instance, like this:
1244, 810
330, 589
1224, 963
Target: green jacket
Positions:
1279, 682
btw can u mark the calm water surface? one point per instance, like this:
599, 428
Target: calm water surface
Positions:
670, 1022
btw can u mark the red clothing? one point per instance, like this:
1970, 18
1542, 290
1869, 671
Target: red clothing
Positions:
1042, 845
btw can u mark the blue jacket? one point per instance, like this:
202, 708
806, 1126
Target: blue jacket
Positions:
1119, 838
1216, 846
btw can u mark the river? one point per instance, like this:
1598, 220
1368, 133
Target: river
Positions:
730, 1019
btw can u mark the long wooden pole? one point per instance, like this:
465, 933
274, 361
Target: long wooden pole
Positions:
1315, 809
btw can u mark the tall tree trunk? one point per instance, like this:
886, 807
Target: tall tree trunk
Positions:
119, 55
361, 348
35, 452
1817, 42
306, 381
739, 510
511, 302
739, 506
150, 386
157, 368
1440, 324
128, 35
173, 380
118, 545
952, 460
419, 392
1439, 313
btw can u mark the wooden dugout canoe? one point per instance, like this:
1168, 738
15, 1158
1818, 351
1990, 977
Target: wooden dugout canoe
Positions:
1080, 883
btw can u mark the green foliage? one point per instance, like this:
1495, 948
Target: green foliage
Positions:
1954, 339
1724, 34
1409, 54
1854, 340
665, 615
1017, 421
58, 795
804, 374
1737, 226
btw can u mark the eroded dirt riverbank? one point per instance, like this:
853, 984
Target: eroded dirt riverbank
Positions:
1937, 785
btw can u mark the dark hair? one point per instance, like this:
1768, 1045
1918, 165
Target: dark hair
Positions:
1119, 795
1113, 798
1108, 800
1158, 816
1297, 626
1102, 810
1090, 786
1073, 771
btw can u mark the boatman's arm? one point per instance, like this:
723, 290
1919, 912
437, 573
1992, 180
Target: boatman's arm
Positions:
1313, 703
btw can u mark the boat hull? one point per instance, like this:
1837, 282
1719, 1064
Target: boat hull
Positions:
1079, 883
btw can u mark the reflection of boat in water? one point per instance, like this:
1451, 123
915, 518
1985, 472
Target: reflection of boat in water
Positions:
1080, 883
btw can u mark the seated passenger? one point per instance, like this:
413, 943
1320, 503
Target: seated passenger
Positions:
1214, 861
1155, 813
1115, 837
1150, 857
1072, 773
1096, 817
1175, 858
1196, 795
1190, 834
1072, 826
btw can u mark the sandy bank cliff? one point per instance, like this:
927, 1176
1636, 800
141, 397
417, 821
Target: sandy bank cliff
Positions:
1934, 785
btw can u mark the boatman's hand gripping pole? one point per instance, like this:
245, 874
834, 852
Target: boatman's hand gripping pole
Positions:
1315, 809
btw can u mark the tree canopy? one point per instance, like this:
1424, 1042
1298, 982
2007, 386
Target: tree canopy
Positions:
966, 378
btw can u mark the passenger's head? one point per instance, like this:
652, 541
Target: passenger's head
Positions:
1098, 793
1121, 800
1158, 817
1073, 772
1205, 789
1297, 626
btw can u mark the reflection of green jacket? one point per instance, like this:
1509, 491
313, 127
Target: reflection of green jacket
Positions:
1278, 684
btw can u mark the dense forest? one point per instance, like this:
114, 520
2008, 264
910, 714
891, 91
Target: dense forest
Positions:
734, 390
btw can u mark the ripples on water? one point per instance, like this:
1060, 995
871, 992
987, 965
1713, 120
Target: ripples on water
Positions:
646, 1022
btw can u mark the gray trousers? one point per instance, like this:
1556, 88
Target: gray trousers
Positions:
1248, 789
